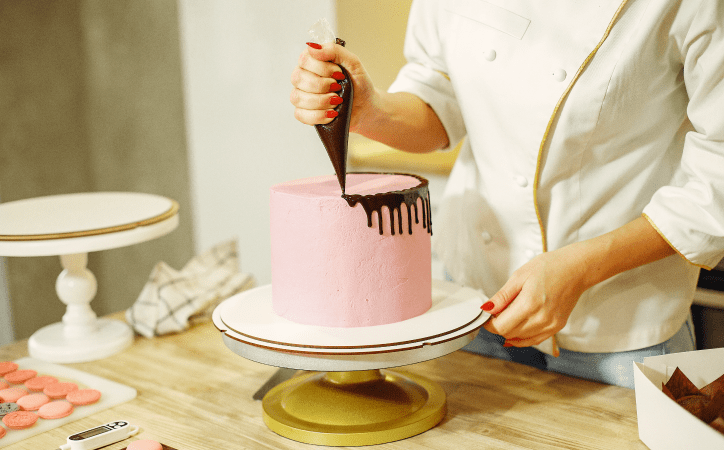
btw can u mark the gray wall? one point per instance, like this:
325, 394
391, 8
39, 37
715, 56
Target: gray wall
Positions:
91, 100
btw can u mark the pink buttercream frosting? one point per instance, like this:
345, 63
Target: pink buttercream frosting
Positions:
329, 268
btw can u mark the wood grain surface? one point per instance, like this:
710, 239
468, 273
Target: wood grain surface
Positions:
195, 394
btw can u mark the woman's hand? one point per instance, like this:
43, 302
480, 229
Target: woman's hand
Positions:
535, 303
315, 83
400, 120
537, 300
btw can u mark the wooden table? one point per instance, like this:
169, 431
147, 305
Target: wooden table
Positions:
195, 394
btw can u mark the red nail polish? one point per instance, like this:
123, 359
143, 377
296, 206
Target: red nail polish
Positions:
314, 45
331, 114
507, 344
334, 87
336, 100
488, 306
338, 76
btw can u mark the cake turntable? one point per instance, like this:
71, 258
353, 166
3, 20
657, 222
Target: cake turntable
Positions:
351, 398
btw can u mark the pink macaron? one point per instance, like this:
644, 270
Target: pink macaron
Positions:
2, 432
11, 395
38, 383
59, 390
32, 402
83, 397
3, 385
7, 367
20, 376
55, 410
144, 444
19, 420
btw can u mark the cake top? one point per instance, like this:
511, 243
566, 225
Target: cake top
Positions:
373, 191
357, 184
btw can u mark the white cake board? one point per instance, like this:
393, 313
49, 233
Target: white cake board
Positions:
112, 394
251, 329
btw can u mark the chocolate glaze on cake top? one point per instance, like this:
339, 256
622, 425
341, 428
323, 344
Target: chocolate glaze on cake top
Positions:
335, 134
393, 200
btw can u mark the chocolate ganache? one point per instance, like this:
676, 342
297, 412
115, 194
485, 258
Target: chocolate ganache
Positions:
393, 200
335, 134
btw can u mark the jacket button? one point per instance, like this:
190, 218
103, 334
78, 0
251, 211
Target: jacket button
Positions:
559, 75
521, 180
490, 54
487, 238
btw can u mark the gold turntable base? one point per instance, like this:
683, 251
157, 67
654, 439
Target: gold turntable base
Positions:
354, 408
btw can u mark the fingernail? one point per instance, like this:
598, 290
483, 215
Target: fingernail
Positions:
334, 87
488, 306
507, 344
331, 114
336, 100
338, 76
314, 45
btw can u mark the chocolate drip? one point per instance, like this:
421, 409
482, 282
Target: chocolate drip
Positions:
335, 134
394, 200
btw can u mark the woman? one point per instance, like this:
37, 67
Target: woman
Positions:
589, 189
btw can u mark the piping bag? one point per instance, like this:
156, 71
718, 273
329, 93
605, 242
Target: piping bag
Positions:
335, 134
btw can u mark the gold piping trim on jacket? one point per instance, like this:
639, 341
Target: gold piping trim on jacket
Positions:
536, 179
588, 59
443, 74
672, 245
150, 221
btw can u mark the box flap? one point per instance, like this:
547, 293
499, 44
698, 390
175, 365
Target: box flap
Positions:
701, 367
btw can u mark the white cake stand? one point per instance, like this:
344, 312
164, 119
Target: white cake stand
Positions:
352, 401
71, 226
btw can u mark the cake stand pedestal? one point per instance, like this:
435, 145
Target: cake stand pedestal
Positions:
353, 399
71, 226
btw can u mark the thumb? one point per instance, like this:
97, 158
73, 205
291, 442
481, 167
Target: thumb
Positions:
502, 298
334, 53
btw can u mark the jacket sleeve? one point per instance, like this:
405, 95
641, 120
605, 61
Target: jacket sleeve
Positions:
425, 74
690, 215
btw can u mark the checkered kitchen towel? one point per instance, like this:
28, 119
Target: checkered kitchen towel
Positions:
172, 300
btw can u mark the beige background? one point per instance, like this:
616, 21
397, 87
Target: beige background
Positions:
375, 31
91, 100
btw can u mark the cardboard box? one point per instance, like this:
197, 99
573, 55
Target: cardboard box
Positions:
663, 424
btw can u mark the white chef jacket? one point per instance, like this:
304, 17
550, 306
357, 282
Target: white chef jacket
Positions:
578, 117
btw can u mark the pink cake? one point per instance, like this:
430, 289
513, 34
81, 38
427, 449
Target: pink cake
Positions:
336, 265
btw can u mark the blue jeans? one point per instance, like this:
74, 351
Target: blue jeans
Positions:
610, 368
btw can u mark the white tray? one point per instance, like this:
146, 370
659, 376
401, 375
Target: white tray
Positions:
112, 394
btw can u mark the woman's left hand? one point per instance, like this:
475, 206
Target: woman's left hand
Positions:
537, 300
535, 303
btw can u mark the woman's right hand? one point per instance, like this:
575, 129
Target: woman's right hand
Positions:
315, 84
400, 120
